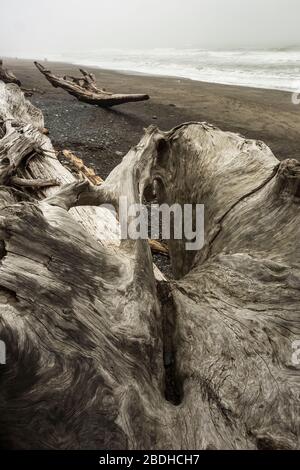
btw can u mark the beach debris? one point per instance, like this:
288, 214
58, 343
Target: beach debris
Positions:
85, 89
7, 76
158, 247
122, 357
81, 169
28, 91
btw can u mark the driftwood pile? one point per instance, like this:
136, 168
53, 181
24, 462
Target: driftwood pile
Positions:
102, 351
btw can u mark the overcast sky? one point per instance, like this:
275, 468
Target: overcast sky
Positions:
53, 26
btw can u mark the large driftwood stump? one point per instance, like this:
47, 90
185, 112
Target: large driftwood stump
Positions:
103, 354
85, 89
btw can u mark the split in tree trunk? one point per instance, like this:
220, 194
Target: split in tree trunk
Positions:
85, 89
102, 352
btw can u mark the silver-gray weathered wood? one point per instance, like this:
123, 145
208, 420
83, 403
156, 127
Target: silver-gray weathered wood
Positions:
103, 354
85, 89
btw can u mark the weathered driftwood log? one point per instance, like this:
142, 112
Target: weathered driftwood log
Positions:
85, 89
100, 354
7, 76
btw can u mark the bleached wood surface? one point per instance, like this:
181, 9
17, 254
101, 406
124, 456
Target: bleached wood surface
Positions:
100, 354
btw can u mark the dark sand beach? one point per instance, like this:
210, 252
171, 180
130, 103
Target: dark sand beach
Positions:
101, 137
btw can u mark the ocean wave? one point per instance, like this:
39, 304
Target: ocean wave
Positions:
273, 69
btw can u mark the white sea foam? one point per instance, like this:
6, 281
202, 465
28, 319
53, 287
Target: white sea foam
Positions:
274, 69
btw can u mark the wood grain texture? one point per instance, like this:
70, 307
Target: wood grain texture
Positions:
104, 354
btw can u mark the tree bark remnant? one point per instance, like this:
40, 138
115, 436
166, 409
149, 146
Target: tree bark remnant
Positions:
102, 352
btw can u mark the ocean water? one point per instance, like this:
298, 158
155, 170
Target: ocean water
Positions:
273, 69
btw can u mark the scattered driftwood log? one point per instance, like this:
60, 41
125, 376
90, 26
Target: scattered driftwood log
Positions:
102, 352
7, 76
85, 89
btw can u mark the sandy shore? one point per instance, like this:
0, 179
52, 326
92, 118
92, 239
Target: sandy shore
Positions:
102, 136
